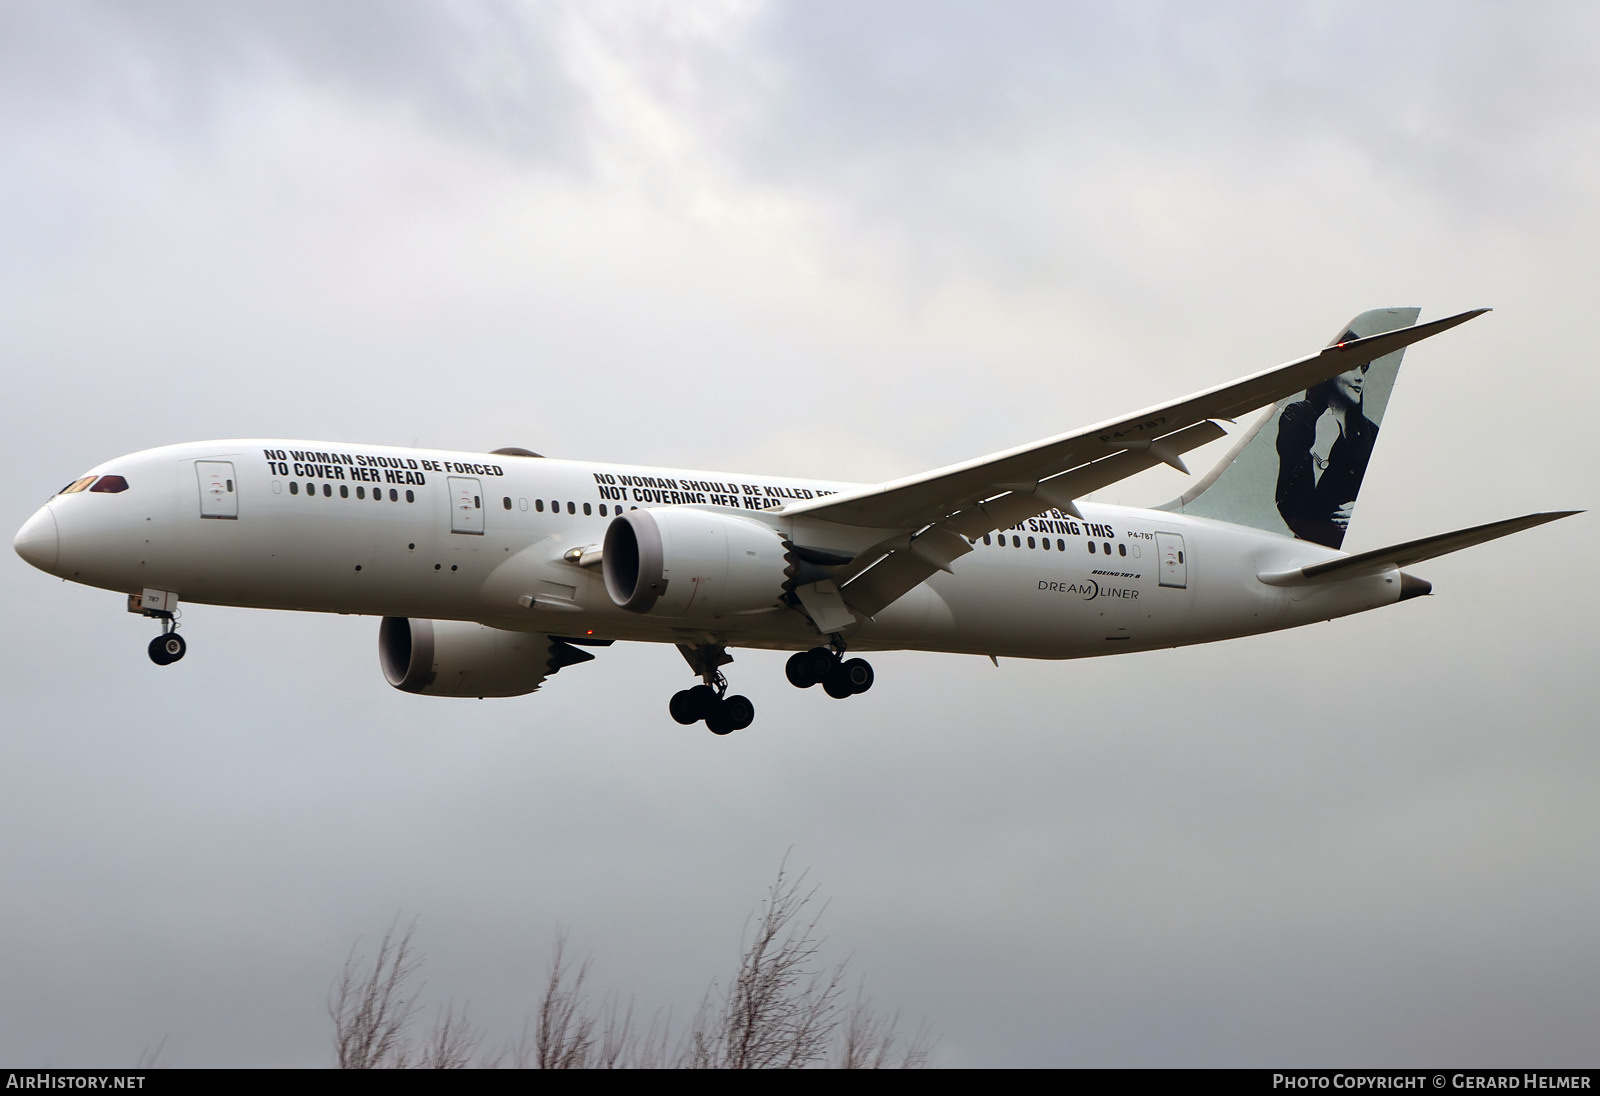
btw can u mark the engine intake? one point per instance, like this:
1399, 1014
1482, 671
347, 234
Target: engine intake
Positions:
680, 561
460, 658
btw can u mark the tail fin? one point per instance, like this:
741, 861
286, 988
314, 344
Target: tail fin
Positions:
1298, 468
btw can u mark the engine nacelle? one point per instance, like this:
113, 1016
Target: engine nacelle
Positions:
459, 658
682, 562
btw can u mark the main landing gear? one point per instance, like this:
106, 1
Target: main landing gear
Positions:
709, 701
840, 677
723, 714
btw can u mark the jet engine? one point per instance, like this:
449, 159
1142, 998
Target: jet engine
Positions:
460, 658
682, 562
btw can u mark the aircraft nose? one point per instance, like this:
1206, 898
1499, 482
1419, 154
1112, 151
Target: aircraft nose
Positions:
38, 542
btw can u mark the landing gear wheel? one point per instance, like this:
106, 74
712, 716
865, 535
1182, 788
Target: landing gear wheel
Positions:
837, 684
684, 708
739, 711
821, 660
799, 670
733, 713
166, 649
693, 705
703, 701
858, 671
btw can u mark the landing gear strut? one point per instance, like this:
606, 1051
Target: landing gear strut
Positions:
709, 701
840, 677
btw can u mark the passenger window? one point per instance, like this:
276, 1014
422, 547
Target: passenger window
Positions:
1108, 548
538, 504
1122, 549
507, 502
1061, 545
294, 487
344, 492
1044, 542
986, 539
571, 508
411, 496
361, 492
1091, 547
109, 485
1016, 542
327, 490
586, 511
394, 496
1030, 542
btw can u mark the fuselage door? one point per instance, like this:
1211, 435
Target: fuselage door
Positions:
219, 495
1174, 567
466, 505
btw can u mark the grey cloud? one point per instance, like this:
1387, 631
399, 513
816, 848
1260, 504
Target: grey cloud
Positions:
179, 71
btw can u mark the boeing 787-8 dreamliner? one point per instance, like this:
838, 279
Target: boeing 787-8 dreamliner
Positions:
492, 572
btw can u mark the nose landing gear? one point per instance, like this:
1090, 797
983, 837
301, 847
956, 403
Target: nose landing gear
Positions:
709, 701
840, 677
169, 646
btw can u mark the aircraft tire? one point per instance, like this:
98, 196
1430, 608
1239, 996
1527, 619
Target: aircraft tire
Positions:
164, 650
837, 684
684, 708
858, 671
822, 661
703, 702
799, 670
739, 712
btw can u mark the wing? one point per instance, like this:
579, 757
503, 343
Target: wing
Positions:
931, 516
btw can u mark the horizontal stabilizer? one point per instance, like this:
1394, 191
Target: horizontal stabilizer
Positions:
1380, 560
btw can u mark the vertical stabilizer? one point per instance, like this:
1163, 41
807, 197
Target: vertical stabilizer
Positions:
1298, 469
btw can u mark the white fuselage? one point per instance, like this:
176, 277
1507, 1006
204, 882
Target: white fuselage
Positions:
328, 527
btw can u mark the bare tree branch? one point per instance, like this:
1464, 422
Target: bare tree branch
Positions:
781, 1009
371, 1007
872, 1040
564, 1032
452, 1042
151, 1059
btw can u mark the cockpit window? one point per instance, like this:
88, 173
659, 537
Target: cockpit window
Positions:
77, 485
109, 485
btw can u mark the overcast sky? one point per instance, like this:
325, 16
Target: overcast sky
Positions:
845, 240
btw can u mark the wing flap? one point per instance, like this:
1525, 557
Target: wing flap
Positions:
893, 568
